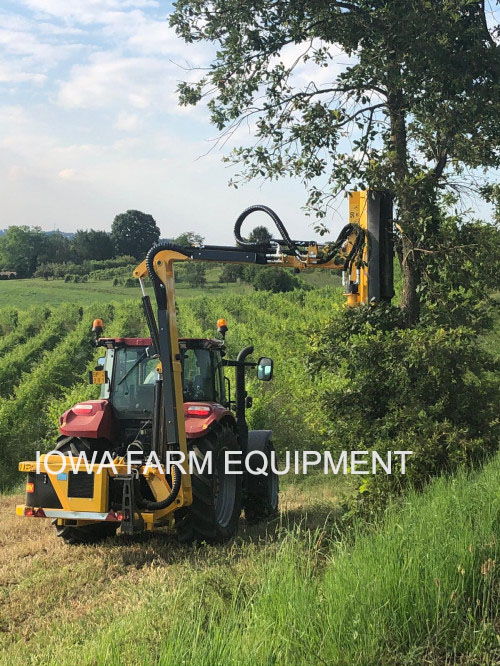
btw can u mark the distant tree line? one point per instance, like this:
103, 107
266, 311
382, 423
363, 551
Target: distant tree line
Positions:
25, 249
92, 255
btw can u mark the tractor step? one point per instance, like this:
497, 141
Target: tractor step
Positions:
131, 523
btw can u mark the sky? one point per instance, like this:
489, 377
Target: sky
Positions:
90, 125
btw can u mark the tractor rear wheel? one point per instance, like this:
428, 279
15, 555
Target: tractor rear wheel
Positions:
93, 532
214, 514
74, 446
261, 498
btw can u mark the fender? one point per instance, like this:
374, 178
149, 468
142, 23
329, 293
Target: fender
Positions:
197, 426
258, 439
92, 419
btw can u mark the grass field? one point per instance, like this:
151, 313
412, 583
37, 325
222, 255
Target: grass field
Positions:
38, 291
420, 587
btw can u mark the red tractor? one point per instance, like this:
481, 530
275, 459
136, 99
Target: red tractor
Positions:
121, 420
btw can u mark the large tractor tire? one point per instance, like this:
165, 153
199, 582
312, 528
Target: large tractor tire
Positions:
83, 534
261, 496
214, 514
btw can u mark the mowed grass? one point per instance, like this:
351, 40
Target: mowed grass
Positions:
420, 587
37, 291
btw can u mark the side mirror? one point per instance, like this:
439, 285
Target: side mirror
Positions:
101, 360
265, 369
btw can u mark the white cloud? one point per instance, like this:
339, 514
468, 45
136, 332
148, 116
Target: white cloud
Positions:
110, 79
27, 53
127, 122
23, 43
14, 74
67, 174
87, 11
12, 115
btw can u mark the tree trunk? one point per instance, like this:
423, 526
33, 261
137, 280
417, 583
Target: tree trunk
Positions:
410, 300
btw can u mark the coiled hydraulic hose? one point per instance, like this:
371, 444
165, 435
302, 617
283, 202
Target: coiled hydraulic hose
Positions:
333, 248
150, 505
286, 240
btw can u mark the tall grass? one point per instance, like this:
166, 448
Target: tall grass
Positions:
422, 586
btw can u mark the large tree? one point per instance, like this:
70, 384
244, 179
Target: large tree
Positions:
133, 233
20, 249
92, 244
401, 95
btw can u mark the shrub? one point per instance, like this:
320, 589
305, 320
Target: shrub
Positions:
275, 280
426, 389
44, 271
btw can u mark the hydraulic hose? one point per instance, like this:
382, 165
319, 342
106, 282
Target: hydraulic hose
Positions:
293, 246
150, 505
279, 225
356, 249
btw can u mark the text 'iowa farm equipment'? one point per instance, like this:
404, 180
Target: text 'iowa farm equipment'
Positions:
167, 398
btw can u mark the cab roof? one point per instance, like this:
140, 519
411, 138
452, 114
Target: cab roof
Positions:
187, 343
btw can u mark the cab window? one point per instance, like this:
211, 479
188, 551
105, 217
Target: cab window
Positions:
198, 377
133, 381
203, 377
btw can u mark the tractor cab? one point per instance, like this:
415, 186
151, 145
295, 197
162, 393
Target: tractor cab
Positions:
130, 371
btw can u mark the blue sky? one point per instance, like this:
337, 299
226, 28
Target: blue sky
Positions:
90, 126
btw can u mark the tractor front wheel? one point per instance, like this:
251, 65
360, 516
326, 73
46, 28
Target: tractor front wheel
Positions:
262, 490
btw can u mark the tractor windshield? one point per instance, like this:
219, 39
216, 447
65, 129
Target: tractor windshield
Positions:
133, 383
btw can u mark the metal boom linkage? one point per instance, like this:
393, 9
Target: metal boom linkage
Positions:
363, 252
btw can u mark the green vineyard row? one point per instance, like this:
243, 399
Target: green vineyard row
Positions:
45, 375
